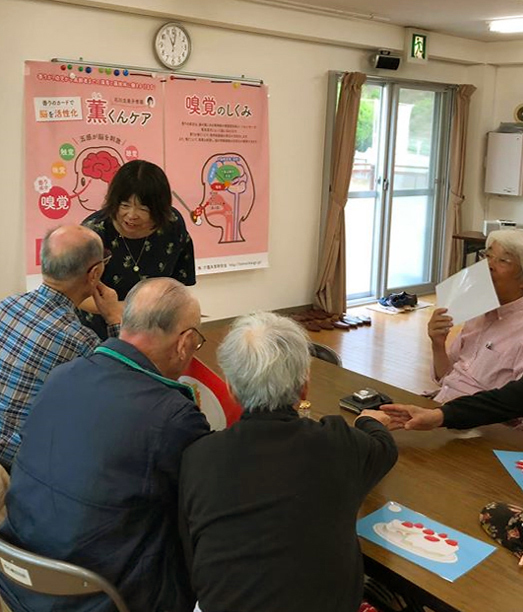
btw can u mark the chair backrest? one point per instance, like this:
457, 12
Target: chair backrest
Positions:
325, 352
47, 576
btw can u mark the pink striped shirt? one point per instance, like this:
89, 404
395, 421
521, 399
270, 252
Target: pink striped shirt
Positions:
486, 354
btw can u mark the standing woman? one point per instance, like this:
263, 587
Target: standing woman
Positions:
145, 235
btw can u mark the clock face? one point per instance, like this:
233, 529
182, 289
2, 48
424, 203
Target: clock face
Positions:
172, 45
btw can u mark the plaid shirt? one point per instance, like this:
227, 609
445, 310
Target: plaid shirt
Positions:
38, 331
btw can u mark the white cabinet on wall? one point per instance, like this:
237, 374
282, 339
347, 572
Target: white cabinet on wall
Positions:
504, 166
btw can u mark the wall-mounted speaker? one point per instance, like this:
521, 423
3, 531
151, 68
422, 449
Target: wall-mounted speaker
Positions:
384, 60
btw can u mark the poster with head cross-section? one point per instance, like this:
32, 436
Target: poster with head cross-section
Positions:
211, 138
82, 124
217, 160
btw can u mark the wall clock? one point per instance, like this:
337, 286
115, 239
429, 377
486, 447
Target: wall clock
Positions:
172, 45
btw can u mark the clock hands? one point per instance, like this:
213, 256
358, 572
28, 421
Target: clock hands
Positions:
172, 37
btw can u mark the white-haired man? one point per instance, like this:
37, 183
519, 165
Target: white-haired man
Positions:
95, 480
488, 351
40, 329
268, 507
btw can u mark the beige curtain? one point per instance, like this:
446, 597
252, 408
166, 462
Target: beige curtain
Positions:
452, 255
330, 291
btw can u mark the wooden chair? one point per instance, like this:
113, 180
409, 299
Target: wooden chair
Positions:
50, 577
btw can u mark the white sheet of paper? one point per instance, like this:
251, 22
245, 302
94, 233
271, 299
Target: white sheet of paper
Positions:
468, 294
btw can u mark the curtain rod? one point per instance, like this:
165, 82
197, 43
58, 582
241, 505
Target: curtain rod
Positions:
399, 80
141, 70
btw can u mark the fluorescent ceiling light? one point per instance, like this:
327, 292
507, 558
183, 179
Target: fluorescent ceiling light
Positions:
514, 24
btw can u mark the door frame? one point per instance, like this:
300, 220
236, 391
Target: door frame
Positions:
441, 182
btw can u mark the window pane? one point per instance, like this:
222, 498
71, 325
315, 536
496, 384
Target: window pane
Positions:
410, 241
413, 139
367, 140
411, 235
359, 230
360, 212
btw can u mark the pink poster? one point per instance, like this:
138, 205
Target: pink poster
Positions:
217, 161
82, 124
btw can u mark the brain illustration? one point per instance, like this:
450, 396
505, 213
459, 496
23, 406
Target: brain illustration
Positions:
95, 168
228, 195
101, 165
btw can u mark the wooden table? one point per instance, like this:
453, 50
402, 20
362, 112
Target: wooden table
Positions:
440, 474
473, 242
449, 479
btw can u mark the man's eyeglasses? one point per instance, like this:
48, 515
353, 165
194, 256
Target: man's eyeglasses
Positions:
199, 335
105, 260
502, 261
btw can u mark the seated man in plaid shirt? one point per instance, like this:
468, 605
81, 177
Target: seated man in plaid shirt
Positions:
40, 330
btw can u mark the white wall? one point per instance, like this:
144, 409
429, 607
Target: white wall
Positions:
291, 62
474, 208
509, 95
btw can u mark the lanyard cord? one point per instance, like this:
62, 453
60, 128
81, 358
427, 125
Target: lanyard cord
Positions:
185, 389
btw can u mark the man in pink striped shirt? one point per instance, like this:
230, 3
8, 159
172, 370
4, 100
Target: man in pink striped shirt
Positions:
488, 351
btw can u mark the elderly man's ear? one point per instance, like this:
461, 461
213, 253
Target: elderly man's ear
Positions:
94, 275
181, 345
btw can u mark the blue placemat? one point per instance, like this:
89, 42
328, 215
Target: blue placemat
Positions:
513, 462
414, 536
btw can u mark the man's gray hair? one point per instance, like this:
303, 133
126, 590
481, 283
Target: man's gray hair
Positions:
511, 240
266, 360
154, 304
71, 262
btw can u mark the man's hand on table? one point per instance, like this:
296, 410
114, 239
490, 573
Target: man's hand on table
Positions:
383, 418
407, 416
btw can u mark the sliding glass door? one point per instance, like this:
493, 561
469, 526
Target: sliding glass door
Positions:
393, 214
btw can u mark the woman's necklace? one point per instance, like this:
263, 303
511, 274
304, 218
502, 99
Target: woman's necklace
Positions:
136, 267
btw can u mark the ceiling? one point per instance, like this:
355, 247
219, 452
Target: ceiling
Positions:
466, 18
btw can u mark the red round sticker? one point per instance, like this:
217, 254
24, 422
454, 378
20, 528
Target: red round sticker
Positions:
54, 204
131, 152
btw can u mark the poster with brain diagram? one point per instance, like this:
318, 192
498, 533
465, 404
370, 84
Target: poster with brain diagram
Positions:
432, 545
217, 158
82, 124
211, 138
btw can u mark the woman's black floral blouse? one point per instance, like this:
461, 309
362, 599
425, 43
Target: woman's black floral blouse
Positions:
166, 252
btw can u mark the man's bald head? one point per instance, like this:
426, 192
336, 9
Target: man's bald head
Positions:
68, 251
158, 305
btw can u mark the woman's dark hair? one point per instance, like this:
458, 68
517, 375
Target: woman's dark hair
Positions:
148, 183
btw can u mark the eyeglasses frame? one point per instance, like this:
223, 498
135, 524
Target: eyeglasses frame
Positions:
105, 261
484, 254
203, 339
